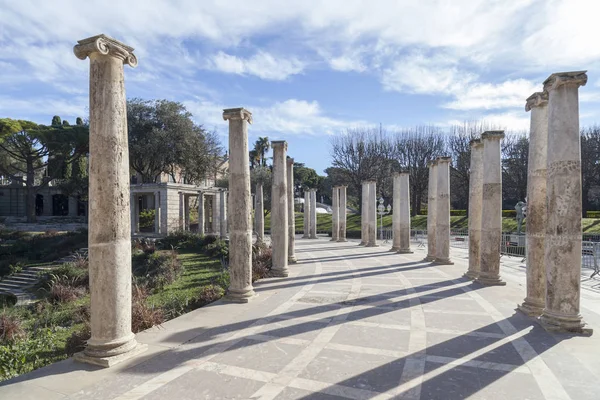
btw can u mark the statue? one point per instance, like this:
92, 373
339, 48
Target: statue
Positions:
521, 208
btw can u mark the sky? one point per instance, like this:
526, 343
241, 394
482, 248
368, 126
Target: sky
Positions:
307, 70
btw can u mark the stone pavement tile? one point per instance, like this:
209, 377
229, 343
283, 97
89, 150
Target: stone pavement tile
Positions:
208, 385
28, 392
342, 287
401, 316
316, 311
292, 328
298, 394
475, 383
447, 345
465, 323
262, 356
374, 337
360, 371
392, 291
452, 304
323, 298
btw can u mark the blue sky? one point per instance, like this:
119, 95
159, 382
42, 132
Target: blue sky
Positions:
307, 70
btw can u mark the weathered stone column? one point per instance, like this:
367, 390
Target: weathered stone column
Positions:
563, 199
109, 240
335, 208
342, 214
223, 213
216, 215
404, 213
259, 214
181, 212
535, 300
491, 210
186, 212
313, 213
279, 210
442, 218
475, 203
431, 210
372, 214
364, 215
134, 213
306, 214
157, 212
396, 213
240, 224
201, 215
291, 212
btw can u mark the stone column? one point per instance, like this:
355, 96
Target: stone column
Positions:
313, 213
563, 199
404, 213
216, 217
364, 215
306, 214
279, 210
442, 218
240, 224
335, 220
491, 210
157, 212
396, 213
186, 212
372, 214
223, 213
342, 214
259, 214
291, 212
431, 210
109, 221
201, 214
535, 300
181, 212
475, 203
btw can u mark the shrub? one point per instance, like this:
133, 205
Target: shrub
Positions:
509, 213
143, 316
147, 218
458, 213
218, 249
63, 291
156, 270
223, 280
592, 214
262, 261
22, 356
11, 328
15, 268
77, 341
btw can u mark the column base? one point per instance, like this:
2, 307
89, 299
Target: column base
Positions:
557, 323
406, 251
305, 237
109, 360
313, 237
279, 272
362, 244
429, 258
334, 240
443, 261
371, 245
472, 275
531, 309
342, 240
239, 296
394, 249
292, 260
490, 280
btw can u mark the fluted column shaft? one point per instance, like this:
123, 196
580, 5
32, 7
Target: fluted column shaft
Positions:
335, 207
404, 213
279, 210
364, 218
372, 214
491, 210
201, 215
259, 214
536, 204
313, 213
475, 204
442, 218
563, 199
109, 238
291, 212
431, 211
306, 214
342, 214
240, 221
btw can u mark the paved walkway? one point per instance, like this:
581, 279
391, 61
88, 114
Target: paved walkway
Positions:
350, 323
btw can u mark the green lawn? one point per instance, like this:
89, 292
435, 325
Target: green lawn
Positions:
590, 225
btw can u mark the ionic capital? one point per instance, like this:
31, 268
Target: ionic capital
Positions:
107, 46
554, 81
489, 135
279, 144
290, 161
237, 114
538, 99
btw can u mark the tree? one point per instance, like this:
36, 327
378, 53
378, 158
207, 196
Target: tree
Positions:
27, 148
261, 147
590, 164
56, 120
415, 147
515, 156
164, 139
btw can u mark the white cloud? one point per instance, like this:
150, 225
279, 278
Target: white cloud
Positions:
509, 121
262, 65
508, 94
47, 105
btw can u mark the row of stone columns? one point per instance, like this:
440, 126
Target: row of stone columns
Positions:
438, 211
554, 192
219, 213
338, 214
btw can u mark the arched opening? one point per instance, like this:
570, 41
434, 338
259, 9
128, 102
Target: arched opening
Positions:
60, 205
